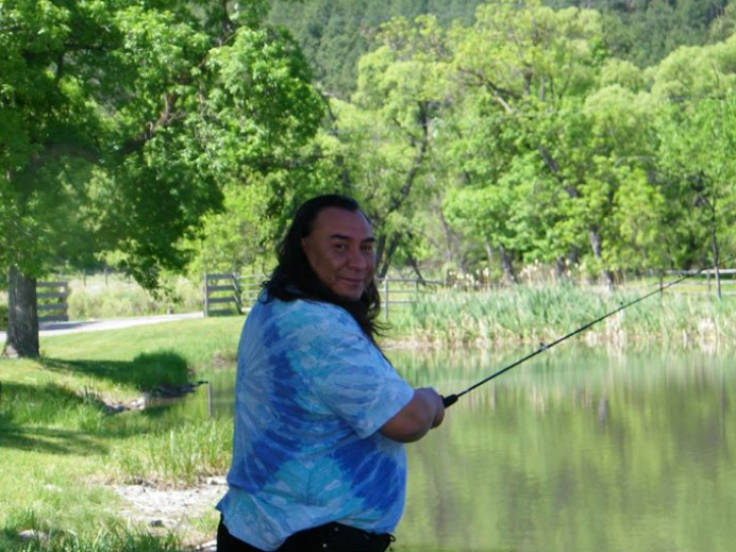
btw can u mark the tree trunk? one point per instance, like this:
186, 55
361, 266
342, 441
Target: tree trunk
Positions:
508, 268
560, 275
380, 249
595, 242
393, 244
22, 340
489, 253
715, 248
415, 266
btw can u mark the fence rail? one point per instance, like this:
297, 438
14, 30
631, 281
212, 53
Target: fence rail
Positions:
52, 301
401, 292
226, 297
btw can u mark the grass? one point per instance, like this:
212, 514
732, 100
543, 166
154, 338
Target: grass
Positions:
115, 296
531, 314
182, 455
61, 449
114, 538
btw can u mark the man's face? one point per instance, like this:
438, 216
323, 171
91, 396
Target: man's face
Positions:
340, 251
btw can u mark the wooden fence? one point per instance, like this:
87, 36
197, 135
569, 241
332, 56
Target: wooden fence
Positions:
232, 294
52, 301
400, 292
705, 282
223, 292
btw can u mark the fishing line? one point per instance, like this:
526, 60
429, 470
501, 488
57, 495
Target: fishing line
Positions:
452, 399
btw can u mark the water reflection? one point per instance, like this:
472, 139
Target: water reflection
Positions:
580, 449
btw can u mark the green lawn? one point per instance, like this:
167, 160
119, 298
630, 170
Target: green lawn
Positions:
61, 449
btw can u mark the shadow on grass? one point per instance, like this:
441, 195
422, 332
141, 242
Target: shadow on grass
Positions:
48, 441
32, 418
66, 419
144, 372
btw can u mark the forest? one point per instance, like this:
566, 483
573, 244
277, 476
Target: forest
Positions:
335, 34
161, 137
548, 132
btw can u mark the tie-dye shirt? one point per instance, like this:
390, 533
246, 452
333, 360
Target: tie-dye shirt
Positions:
312, 392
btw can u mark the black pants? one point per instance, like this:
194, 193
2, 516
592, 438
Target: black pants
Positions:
331, 537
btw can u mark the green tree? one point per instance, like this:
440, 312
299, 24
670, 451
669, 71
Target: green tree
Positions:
525, 71
697, 139
120, 121
380, 143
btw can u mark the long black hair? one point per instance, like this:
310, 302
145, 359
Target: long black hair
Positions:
293, 278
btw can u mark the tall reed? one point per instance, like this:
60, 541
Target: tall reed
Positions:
536, 314
181, 456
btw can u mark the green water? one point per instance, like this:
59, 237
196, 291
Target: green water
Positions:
579, 449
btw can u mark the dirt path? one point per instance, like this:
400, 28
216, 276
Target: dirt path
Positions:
173, 509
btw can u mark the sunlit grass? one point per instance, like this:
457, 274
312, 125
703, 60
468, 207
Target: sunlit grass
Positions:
113, 537
180, 456
61, 447
115, 296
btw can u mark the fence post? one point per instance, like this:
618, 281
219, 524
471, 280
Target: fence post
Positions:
237, 293
206, 294
385, 298
214, 286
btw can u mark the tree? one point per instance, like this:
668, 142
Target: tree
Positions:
525, 71
381, 142
120, 121
697, 143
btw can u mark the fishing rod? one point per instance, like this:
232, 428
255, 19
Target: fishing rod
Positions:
452, 399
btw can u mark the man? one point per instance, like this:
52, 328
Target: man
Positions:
320, 414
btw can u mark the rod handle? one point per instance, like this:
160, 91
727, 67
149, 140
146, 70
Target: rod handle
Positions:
449, 400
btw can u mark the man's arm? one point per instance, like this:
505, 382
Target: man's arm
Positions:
423, 412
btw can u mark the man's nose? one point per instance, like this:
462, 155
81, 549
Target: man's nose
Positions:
357, 259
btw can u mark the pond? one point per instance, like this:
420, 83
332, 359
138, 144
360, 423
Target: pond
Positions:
580, 449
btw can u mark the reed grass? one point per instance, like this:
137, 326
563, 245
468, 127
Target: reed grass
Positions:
181, 456
532, 314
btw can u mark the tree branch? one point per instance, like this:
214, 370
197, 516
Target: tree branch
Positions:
347, 183
416, 164
168, 116
54, 151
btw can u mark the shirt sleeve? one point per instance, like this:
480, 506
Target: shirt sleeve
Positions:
358, 384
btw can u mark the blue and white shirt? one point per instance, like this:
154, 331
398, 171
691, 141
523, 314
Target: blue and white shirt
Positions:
312, 392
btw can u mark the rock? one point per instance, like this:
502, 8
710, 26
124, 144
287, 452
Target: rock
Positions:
156, 523
115, 408
32, 535
176, 390
138, 404
210, 546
